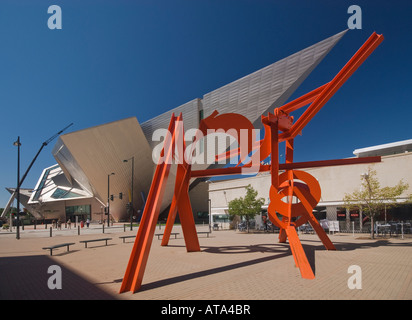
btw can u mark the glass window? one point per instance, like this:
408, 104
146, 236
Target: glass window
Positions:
42, 183
64, 194
82, 211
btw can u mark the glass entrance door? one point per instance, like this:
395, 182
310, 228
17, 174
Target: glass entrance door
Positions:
82, 212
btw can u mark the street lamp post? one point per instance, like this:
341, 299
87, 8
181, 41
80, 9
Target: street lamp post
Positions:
108, 198
18, 144
209, 201
131, 197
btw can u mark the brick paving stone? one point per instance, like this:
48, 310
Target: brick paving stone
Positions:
231, 266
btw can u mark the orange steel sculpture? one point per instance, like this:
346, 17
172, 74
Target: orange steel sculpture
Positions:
279, 127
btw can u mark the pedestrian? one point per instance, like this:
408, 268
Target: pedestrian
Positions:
87, 222
69, 223
54, 224
59, 224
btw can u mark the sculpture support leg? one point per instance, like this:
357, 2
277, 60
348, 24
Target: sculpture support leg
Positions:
138, 258
170, 222
282, 235
136, 266
314, 222
299, 254
188, 223
321, 233
181, 204
282, 231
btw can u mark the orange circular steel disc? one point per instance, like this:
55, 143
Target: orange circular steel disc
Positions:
309, 188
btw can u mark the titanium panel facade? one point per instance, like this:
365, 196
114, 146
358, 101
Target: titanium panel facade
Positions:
70, 167
270, 87
251, 96
190, 111
90, 155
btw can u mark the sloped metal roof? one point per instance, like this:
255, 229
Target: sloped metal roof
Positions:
253, 94
385, 149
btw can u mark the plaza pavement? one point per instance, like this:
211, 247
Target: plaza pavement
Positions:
230, 266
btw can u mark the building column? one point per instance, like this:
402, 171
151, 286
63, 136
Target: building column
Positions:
332, 213
360, 219
348, 227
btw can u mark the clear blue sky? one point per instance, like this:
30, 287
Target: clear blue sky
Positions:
117, 59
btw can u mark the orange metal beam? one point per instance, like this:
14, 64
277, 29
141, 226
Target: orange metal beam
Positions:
181, 204
301, 260
170, 221
321, 95
330, 89
285, 166
132, 279
314, 222
303, 100
178, 188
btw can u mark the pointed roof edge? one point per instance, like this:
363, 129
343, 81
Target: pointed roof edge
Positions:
336, 38
286, 95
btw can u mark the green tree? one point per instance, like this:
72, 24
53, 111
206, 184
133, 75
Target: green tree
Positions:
372, 198
246, 207
12, 210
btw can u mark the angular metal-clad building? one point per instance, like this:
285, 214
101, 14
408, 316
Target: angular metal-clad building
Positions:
254, 94
88, 157
270, 87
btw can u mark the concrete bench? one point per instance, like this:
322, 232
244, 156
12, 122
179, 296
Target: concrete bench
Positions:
58, 246
125, 237
94, 240
203, 232
160, 234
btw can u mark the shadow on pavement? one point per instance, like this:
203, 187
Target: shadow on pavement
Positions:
276, 251
26, 278
282, 251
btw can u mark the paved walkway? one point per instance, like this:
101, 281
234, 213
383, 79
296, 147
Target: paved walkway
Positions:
231, 266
